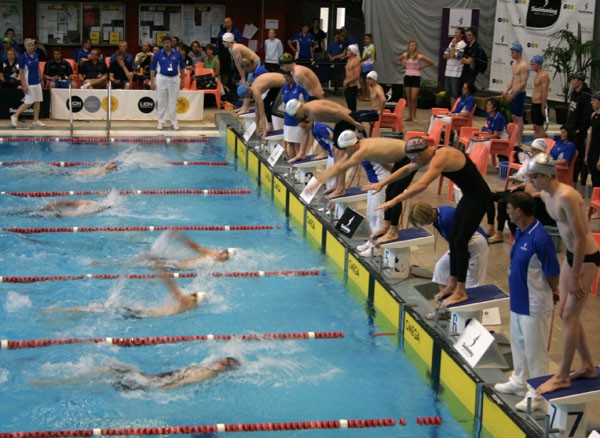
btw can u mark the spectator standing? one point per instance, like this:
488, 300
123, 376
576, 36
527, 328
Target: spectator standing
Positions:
533, 281
93, 72
319, 38
413, 62
471, 53
593, 143
29, 66
166, 77
579, 117
302, 44
273, 51
367, 61
57, 71
9, 76
454, 67
515, 92
352, 77
335, 49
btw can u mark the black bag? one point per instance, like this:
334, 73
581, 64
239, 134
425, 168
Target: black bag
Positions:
481, 61
206, 82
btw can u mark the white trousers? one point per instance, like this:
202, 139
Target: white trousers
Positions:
478, 258
528, 343
167, 92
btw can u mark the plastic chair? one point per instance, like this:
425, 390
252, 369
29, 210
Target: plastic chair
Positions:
479, 156
594, 202
198, 67
393, 120
466, 133
76, 82
597, 277
458, 122
504, 147
42, 66
216, 92
432, 139
187, 80
564, 174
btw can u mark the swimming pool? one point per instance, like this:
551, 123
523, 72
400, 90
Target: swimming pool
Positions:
356, 376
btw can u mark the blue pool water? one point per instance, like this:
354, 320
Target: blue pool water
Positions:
60, 387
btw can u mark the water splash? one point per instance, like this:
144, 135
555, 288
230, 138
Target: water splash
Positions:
16, 302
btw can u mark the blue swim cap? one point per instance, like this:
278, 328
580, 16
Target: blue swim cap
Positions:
538, 59
517, 47
243, 90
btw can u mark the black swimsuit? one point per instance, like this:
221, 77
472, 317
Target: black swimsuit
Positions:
589, 258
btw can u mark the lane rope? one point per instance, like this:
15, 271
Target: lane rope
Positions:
141, 228
127, 192
6, 344
96, 163
108, 139
245, 274
212, 428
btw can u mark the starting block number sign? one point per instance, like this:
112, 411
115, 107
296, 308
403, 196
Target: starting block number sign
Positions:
310, 190
275, 155
477, 346
250, 131
568, 419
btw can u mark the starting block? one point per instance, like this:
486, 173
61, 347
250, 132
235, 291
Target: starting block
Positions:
480, 299
306, 169
566, 407
352, 196
273, 138
248, 118
396, 257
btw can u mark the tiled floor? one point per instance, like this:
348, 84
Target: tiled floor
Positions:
425, 256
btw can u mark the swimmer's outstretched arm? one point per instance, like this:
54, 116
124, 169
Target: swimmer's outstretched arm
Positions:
197, 374
172, 286
78, 309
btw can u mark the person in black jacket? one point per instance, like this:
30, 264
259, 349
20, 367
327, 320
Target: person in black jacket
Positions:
470, 54
580, 112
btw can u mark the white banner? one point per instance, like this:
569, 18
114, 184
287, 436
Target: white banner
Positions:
125, 105
531, 23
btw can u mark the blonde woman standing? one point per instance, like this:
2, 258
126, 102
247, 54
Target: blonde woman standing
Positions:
413, 62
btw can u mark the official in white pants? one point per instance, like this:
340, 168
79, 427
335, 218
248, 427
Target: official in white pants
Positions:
167, 93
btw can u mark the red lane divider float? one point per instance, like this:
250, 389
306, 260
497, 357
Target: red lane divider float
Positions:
144, 228
108, 139
127, 192
429, 421
33, 279
156, 340
95, 163
210, 428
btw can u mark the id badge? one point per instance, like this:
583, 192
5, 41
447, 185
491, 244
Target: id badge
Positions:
170, 68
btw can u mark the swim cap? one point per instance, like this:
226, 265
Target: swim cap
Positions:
538, 59
539, 144
353, 48
415, 145
292, 107
542, 163
228, 37
286, 58
200, 296
517, 47
232, 251
346, 139
373, 75
243, 90
421, 213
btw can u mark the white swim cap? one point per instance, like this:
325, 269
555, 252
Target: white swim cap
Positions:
542, 163
232, 251
372, 75
228, 37
354, 49
539, 144
200, 296
346, 139
292, 107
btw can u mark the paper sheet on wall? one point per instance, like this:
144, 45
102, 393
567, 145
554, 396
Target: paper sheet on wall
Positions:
95, 37
214, 30
145, 33
106, 33
146, 16
158, 19
175, 22
249, 31
253, 45
72, 25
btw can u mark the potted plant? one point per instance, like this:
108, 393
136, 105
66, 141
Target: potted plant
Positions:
567, 54
427, 92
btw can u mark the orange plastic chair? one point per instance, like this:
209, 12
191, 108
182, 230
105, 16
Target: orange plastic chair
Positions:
198, 67
393, 120
216, 92
466, 133
504, 147
597, 277
594, 202
431, 139
42, 66
76, 82
187, 80
564, 174
458, 122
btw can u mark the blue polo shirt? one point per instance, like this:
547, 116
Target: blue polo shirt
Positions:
288, 93
445, 221
335, 49
31, 67
496, 123
259, 70
80, 53
563, 151
305, 42
465, 103
167, 65
323, 133
532, 259
128, 57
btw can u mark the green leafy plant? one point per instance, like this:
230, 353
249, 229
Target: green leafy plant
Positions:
567, 54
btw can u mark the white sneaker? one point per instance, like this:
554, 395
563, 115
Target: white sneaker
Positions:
510, 387
537, 403
38, 123
367, 252
14, 120
366, 245
175, 127
159, 126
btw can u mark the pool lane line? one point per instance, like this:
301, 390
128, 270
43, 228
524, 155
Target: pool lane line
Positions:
128, 192
214, 428
6, 344
107, 139
38, 230
96, 163
245, 274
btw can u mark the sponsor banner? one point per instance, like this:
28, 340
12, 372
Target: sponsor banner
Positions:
124, 105
530, 23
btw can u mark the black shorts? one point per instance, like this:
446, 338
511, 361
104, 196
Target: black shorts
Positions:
412, 81
589, 258
537, 115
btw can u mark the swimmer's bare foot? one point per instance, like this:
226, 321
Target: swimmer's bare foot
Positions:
458, 296
336, 193
297, 158
391, 234
552, 384
379, 232
242, 110
320, 156
584, 373
408, 119
329, 190
447, 291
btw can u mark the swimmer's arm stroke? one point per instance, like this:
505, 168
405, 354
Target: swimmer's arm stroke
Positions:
570, 204
339, 166
199, 375
172, 286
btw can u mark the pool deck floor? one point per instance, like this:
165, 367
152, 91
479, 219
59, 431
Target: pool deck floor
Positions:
423, 256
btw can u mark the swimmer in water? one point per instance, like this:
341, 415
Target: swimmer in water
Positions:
181, 303
71, 208
98, 171
128, 378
